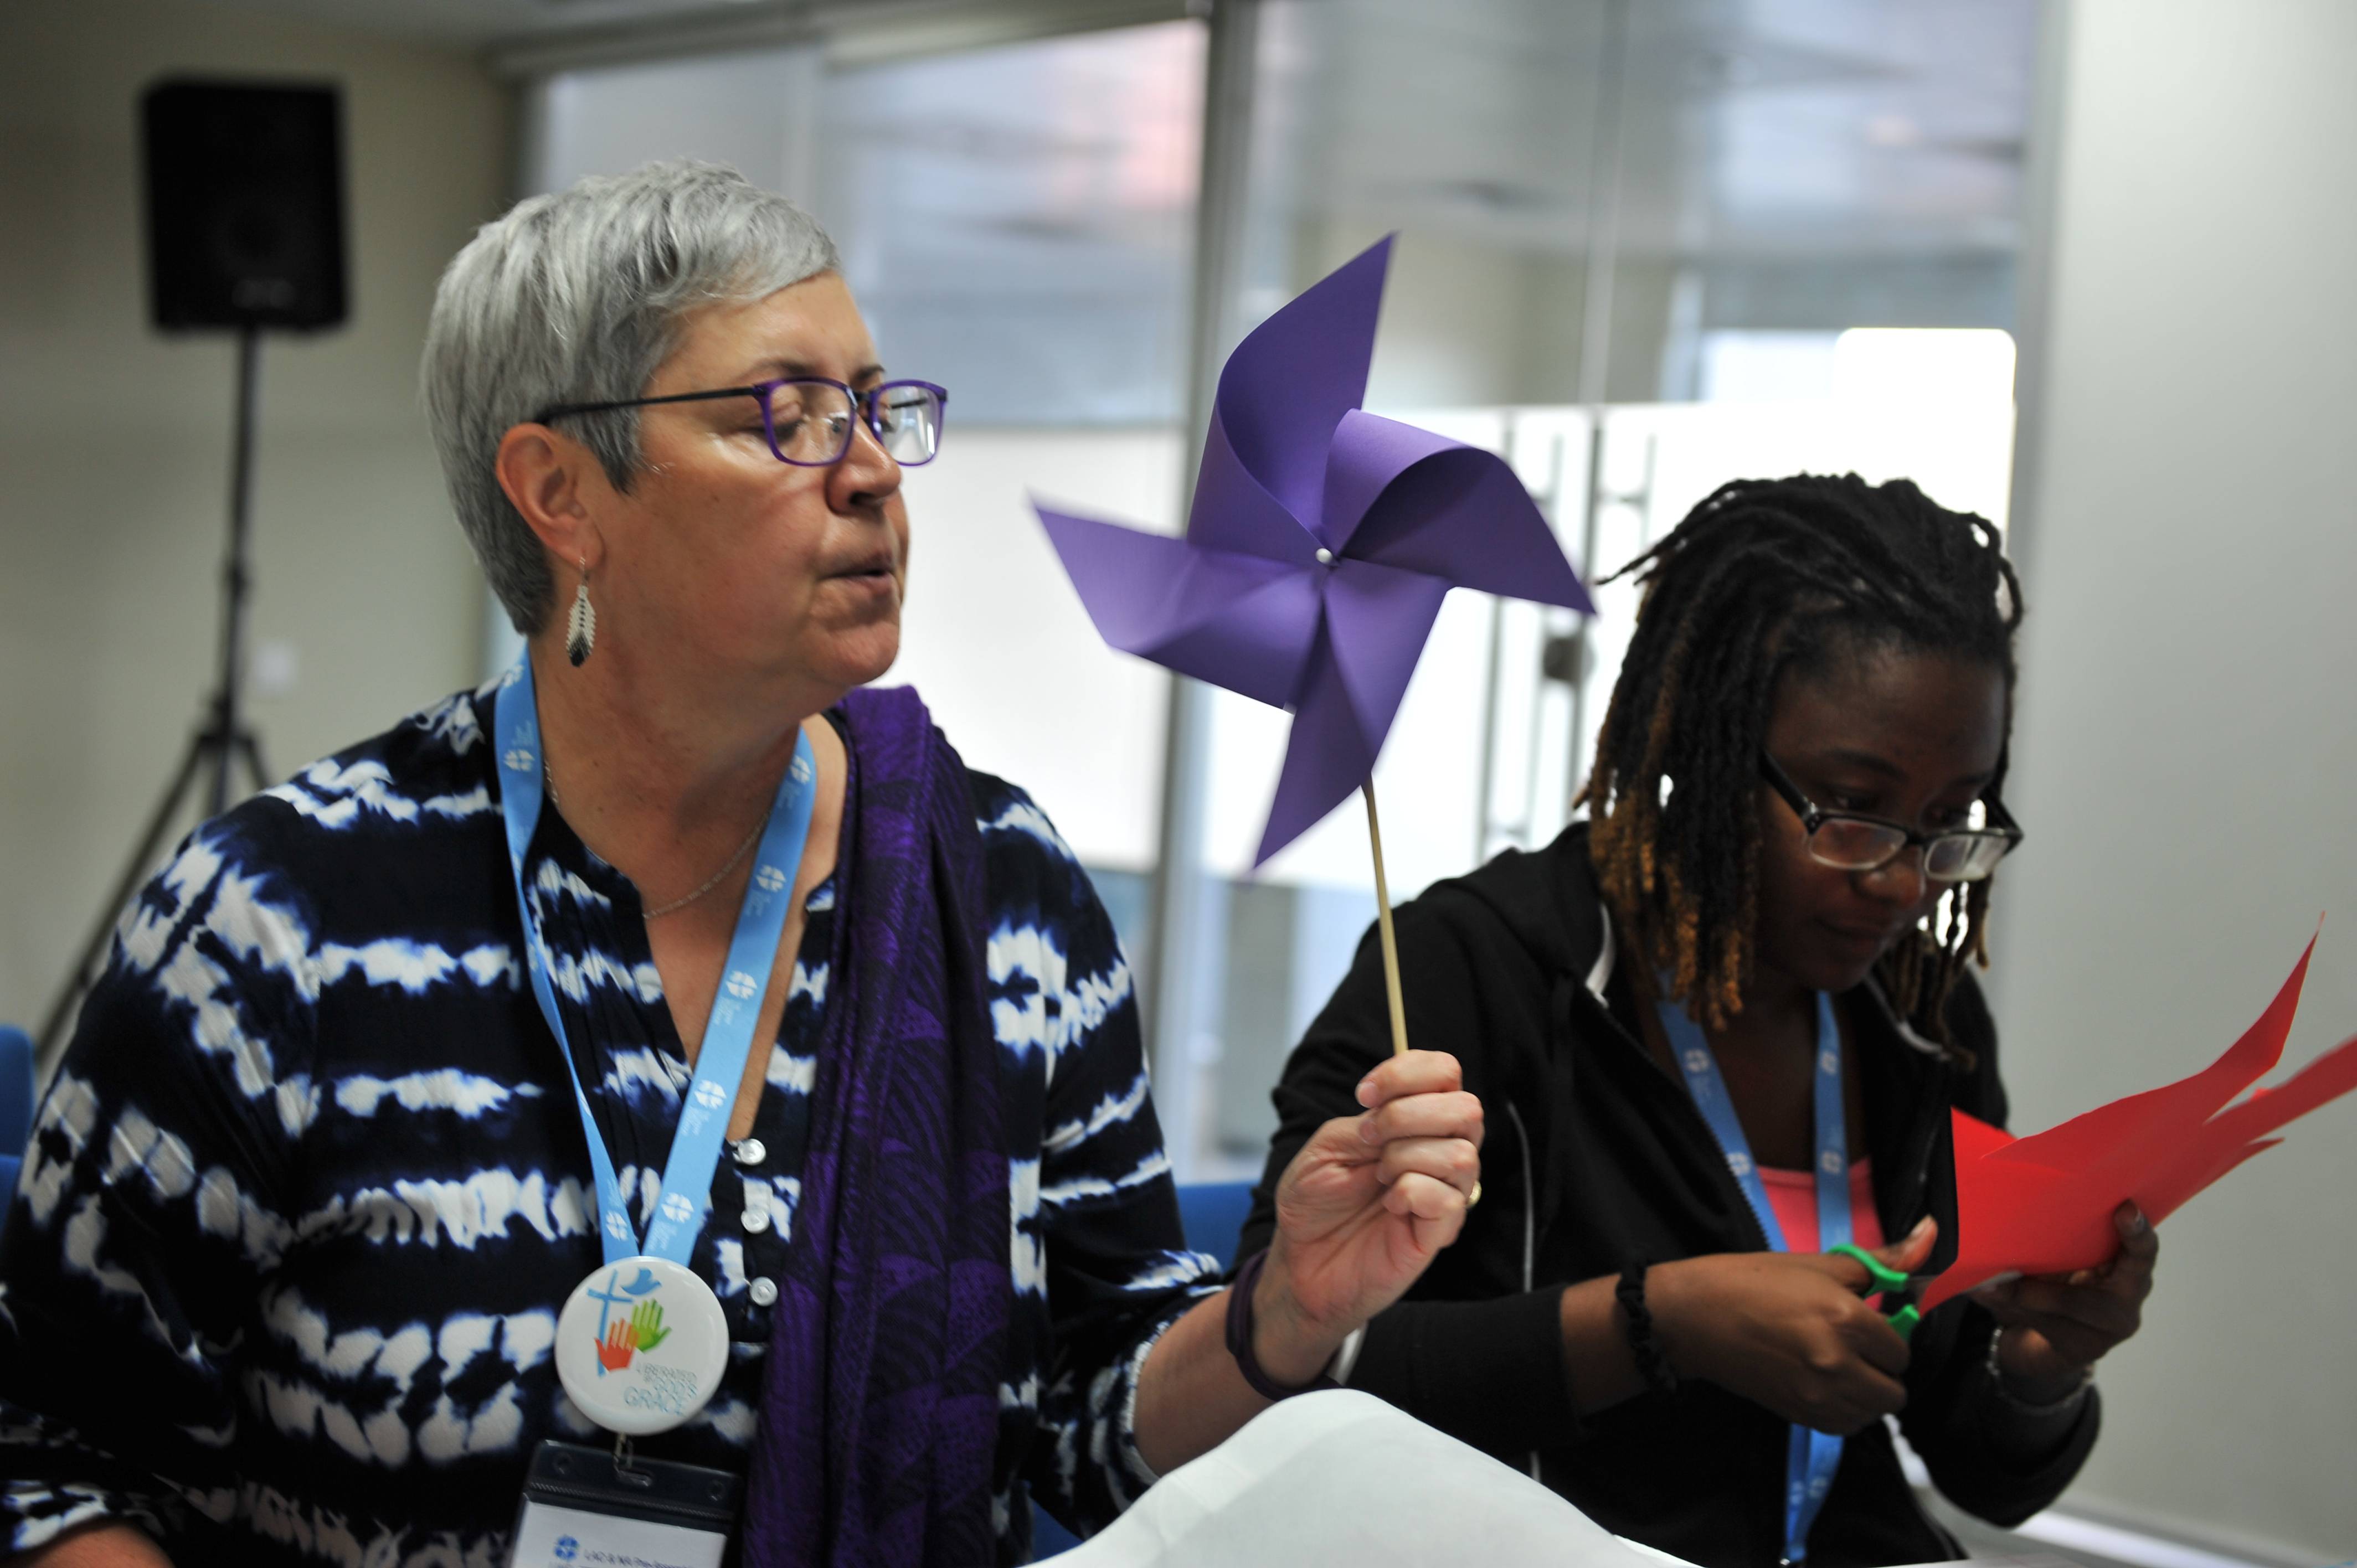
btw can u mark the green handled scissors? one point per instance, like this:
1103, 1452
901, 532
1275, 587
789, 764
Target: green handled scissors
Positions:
1886, 1278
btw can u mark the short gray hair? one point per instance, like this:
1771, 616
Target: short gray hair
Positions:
579, 297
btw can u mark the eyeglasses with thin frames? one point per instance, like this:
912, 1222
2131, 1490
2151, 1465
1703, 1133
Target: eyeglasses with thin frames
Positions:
809, 420
1853, 841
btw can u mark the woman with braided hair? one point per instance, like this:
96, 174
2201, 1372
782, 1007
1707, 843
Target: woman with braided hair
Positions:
1717, 1029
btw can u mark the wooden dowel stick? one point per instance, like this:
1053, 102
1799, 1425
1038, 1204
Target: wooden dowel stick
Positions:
1391, 944
1383, 920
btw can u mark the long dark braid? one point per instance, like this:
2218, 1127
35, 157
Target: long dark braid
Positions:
1762, 579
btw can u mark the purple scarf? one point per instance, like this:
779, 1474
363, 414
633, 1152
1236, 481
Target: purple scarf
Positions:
879, 1419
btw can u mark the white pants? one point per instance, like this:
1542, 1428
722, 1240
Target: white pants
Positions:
1342, 1479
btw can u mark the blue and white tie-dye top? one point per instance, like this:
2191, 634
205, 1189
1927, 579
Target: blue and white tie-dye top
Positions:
282, 1272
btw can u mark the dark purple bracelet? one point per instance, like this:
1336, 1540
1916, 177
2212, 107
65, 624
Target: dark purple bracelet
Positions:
1239, 1336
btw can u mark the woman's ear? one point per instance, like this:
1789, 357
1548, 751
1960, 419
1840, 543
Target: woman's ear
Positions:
549, 479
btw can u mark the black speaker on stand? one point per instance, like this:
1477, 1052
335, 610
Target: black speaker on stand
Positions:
245, 232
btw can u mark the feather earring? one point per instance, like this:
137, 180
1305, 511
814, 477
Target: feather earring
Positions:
581, 626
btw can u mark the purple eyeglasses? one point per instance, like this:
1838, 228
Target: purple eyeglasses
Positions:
809, 419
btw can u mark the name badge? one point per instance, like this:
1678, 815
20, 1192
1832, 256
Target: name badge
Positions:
584, 1508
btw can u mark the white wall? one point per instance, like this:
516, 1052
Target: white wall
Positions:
996, 641
114, 444
2187, 738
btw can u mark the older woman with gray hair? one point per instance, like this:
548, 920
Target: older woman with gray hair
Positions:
666, 1067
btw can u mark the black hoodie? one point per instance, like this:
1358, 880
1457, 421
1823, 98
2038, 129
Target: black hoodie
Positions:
1595, 1155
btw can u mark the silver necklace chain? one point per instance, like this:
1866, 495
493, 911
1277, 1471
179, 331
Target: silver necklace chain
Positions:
711, 882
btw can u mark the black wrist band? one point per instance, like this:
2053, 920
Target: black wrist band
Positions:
1240, 1337
1651, 1365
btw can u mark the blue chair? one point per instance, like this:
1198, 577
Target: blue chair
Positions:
16, 1107
1211, 1216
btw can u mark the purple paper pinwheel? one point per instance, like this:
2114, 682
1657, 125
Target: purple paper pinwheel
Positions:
1321, 543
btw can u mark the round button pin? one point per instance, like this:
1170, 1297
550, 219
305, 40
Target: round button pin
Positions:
640, 1346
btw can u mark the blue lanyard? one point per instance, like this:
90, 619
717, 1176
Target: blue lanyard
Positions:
686, 1192
1811, 1457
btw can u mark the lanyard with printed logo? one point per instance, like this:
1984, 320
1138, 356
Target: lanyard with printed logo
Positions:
658, 1342
1811, 1456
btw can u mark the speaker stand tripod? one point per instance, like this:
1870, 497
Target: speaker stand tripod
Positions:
222, 741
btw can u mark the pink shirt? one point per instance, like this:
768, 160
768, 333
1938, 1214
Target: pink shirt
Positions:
1794, 1196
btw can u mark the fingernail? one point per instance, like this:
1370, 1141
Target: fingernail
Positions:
1367, 1089
1921, 1226
2137, 1223
1368, 1131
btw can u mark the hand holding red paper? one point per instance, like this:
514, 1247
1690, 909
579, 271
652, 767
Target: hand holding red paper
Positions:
2049, 1204
2059, 1326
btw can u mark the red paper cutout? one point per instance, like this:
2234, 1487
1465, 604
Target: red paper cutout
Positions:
2043, 1204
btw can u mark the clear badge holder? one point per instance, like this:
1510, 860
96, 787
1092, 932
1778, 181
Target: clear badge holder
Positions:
591, 1508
